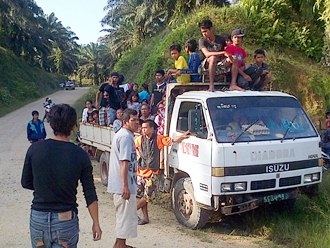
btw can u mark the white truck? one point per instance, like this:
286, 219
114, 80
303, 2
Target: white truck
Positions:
246, 149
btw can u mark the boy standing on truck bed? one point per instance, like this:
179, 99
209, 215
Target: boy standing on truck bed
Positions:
122, 178
114, 92
158, 90
148, 147
216, 59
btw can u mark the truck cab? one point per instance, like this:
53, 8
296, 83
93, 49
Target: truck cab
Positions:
246, 149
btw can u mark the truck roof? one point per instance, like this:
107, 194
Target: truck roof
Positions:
203, 95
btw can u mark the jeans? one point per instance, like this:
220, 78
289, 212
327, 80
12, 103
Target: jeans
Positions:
48, 231
111, 116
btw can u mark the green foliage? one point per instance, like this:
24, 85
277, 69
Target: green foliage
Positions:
21, 83
286, 23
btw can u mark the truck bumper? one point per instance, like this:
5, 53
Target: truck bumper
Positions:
255, 201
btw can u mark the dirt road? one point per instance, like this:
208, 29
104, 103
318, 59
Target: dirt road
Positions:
163, 230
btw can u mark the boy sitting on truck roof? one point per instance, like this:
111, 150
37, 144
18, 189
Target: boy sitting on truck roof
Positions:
259, 71
239, 53
217, 60
180, 64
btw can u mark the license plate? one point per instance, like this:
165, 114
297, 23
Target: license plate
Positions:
277, 197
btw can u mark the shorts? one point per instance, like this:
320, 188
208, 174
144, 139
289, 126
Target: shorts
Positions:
220, 69
147, 187
126, 216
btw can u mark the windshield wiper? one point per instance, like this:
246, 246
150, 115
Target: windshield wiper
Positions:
247, 128
288, 128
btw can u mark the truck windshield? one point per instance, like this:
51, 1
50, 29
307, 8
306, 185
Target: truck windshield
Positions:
258, 118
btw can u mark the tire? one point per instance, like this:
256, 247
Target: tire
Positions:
104, 167
186, 209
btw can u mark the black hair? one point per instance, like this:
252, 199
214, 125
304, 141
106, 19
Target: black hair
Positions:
128, 113
259, 52
145, 87
191, 44
151, 123
145, 104
206, 23
90, 101
63, 118
160, 71
133, 94
114, 74
35, 112
175, 47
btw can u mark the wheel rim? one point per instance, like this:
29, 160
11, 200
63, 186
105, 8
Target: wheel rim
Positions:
185, 204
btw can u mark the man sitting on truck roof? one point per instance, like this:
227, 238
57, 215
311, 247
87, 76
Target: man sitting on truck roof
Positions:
216, 59
148, 147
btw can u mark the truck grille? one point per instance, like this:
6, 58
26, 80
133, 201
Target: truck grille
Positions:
290, 181
264, 184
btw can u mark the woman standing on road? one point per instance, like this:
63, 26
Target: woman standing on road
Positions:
52, 170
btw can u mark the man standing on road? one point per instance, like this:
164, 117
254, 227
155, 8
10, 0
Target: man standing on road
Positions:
122, 178
52, 169
35, 129
148, 146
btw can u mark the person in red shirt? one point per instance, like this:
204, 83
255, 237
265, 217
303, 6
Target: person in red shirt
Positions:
148, 147
239, 53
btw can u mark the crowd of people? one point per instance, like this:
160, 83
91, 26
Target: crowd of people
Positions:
52, 168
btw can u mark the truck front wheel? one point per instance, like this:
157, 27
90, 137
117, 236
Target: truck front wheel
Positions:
104, 167
186, 210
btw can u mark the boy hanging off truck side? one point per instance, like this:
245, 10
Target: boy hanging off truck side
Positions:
148, 147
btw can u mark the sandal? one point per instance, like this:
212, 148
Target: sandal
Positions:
142, 222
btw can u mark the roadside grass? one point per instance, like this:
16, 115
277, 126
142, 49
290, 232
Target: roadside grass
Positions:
307, 225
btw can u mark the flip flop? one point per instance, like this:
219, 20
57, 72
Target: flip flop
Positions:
142, 222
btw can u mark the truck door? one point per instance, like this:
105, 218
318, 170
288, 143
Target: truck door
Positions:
193, 155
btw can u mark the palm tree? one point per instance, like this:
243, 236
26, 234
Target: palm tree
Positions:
94, 61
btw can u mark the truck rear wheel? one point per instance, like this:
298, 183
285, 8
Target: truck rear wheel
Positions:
104, 167
186, 210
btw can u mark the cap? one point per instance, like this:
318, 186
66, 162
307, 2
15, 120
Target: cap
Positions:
328, 112
237, 32
35, 112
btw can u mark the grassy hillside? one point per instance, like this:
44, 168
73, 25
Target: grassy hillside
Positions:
21, 83
292, 71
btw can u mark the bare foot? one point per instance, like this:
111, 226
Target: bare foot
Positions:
211, 89
235, 87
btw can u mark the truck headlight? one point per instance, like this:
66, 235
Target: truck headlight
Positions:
240, 186
308, 178
226, 187
315, 176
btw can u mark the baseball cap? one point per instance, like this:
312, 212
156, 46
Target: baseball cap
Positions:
237, 32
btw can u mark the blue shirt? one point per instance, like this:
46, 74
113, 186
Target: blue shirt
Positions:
193, 64
144, 95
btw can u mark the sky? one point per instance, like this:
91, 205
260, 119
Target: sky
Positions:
82, 16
